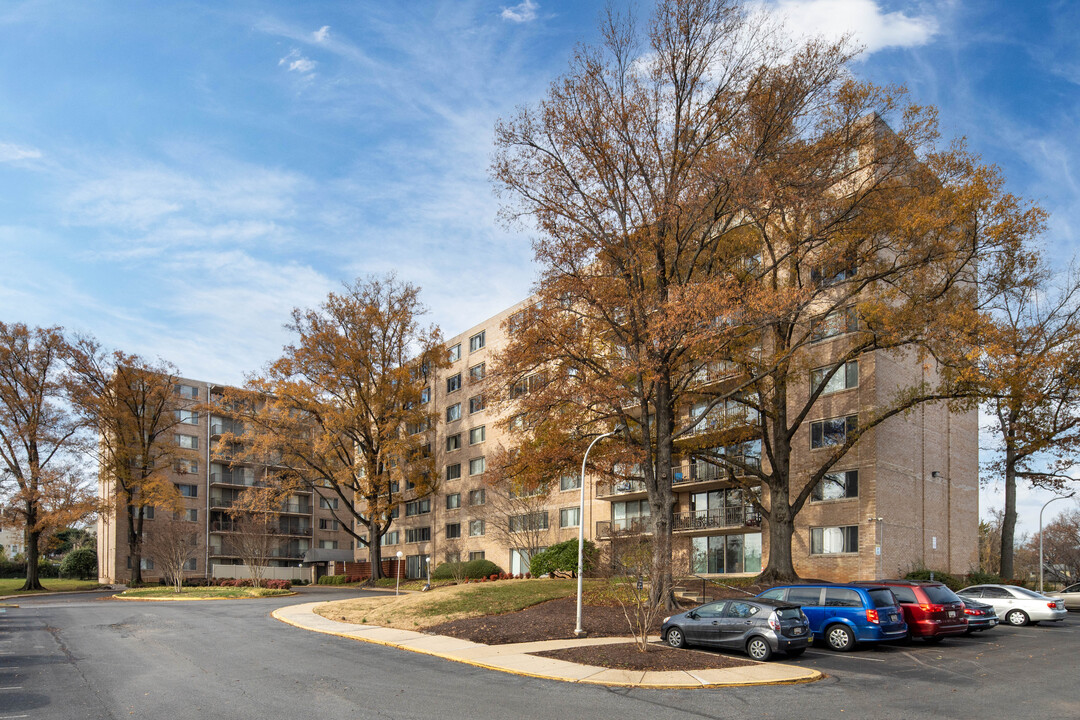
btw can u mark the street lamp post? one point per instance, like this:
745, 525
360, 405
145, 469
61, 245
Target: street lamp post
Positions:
1060, 497
429, 572
397, 574
578, 631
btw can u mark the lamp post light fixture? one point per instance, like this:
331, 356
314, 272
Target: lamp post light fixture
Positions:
397, 573
578, 631
428, 573
1059, 497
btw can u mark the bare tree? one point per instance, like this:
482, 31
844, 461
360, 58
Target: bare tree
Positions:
517, 516
171, 543
630, 567
256, 536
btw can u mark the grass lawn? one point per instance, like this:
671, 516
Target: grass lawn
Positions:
442, 604
9, 586
200, 593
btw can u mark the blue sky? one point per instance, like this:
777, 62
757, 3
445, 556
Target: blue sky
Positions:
174, 177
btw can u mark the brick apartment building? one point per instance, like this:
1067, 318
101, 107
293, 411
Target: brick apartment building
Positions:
906, 495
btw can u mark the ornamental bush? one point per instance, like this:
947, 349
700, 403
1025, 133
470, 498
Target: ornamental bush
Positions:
562, 558
80, 563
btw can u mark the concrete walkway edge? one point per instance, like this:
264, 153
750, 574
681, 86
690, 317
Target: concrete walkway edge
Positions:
518, 660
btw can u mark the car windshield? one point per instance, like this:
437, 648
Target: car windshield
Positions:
1024, 592
882, 598
940, 594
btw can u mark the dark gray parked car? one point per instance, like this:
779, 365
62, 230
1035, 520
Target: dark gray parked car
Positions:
756, 626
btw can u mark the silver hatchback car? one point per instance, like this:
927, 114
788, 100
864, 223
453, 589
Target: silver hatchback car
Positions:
1016, 605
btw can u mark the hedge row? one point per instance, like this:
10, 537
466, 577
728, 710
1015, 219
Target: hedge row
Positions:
473, 570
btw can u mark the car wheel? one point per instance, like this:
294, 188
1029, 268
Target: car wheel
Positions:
675, 638
795, 652
758, 649
839, 638
1016, 617
933, 640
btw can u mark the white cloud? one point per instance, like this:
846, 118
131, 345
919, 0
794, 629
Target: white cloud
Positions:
10, 152
864, 19
295, 62
522, 12
321, 34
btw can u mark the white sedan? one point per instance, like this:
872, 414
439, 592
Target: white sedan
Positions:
1016, 605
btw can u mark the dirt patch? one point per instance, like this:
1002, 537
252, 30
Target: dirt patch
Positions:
657, 658
551, 620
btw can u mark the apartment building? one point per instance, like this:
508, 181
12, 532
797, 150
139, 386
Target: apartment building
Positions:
906, 495
209, 483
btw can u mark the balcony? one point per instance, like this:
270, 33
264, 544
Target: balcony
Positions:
223, 526
700, 471
299, 530
620, 486
220, 426
239, 479
296, 508
716, 519
217, 501
606, 529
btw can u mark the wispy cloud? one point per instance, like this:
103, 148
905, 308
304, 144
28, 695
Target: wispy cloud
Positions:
296, 62
321, 34
10, 152
864, 19
524, 11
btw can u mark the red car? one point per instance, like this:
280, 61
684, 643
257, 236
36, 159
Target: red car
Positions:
931, 610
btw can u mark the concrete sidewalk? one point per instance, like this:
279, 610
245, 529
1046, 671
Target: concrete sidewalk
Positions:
516, 658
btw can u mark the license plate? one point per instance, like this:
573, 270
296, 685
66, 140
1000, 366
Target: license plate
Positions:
796, 631
952, 613
893, 618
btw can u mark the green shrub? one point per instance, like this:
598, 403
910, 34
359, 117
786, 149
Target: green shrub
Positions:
445, 571
950, 581
562, 557
476, 569
333, 579
978, 577
80, 563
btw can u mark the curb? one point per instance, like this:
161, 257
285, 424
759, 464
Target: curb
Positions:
38, 593
811, 676
190, 599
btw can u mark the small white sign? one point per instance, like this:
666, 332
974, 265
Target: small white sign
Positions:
877, 550
933, 542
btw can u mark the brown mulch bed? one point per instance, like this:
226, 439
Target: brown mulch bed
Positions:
659, 657
551, 620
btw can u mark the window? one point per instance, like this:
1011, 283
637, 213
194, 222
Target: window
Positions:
476, 342
476, 373
187, 417
144, 563
192, 564
425, 396
453, 383
477, 555
834, 540
569, 482
843, 379
328, 503
188, 490
453, 501
832, 432
836, 270
527, 385
476, 528
529, 521
835, 323
418, 507
477, 466
476, 404
328, 524
843, 597
189, 442
189, 467
390, 538
453, 531
476, 497
148, 512
187, 391
726, 553
191, 515
837, 486
477, 435
454, 353
570, 517
453, 472
453, 442
328, 544
418, 535
453, 412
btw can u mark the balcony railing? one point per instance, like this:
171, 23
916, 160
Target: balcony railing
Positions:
223, 526
217, 501
729, 517
294, 530
298, 508
220, 427
241, 479
624, 526
701, 471
620, 486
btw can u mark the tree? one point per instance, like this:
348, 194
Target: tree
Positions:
256, 536
517, 516
39, 439
1032, 375
345, 410
66, 539
713, 204
131, 402
171, 543
1061, 547
80, 563
561, 559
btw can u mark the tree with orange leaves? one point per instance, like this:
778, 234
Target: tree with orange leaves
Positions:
132, 404
40, 479
715, 205
345, 410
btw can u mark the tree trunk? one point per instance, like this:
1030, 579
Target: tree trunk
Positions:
375, 549
33, 538
134, 545
780, 519
1008, 521
663, 501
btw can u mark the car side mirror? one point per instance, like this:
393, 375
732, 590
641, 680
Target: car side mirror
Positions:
692, 615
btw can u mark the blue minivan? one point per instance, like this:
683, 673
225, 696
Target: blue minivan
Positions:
843, 615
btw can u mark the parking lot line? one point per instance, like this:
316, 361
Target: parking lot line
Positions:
846, 657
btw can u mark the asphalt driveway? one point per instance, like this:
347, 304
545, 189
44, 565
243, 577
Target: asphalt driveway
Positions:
87, 656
